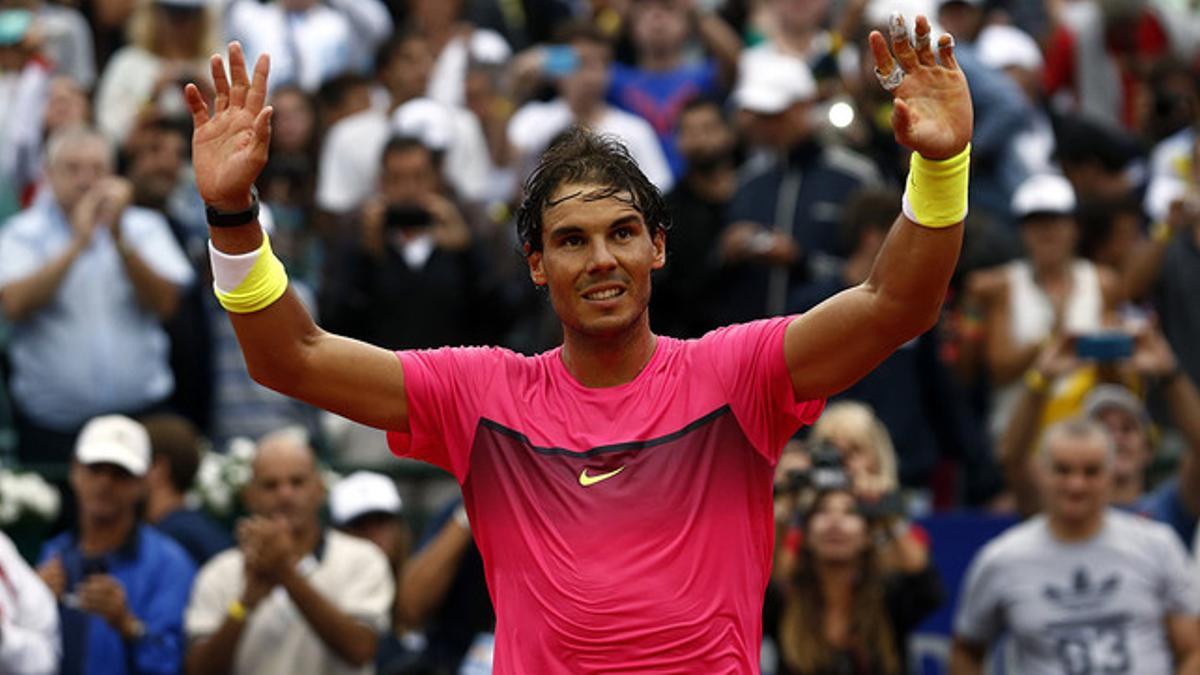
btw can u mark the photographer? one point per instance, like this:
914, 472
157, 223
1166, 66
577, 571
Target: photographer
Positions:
861, 585
413, 257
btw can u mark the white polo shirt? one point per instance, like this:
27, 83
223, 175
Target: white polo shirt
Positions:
351, 573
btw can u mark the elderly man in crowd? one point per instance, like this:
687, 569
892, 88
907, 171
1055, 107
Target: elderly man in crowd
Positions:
121, 585
293, 597
86, 279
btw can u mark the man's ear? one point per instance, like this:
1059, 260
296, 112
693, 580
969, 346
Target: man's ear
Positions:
536, 272
660, 248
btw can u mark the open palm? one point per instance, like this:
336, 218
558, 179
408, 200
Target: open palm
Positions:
933, 113
229, 146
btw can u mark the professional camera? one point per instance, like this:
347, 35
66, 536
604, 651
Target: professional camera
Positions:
826, 472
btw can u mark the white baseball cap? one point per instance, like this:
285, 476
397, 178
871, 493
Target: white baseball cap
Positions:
427, 120
769, 81
1044, 194
363, 492
114, 439
1005, 46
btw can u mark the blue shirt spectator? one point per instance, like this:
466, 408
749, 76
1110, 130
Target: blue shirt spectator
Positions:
659, 97
1165, 504
156, 574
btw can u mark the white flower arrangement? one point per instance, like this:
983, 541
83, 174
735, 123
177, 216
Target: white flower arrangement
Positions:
25, 495
222, 476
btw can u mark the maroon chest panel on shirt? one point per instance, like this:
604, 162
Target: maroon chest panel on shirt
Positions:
652, 551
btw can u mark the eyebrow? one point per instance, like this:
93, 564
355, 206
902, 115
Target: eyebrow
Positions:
569, 230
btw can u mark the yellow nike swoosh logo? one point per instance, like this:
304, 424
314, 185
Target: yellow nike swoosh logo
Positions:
585, 480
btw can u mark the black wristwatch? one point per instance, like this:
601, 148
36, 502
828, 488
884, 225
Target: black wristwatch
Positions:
218, 218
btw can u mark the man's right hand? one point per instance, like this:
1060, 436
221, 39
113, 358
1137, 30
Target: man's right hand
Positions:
229, 146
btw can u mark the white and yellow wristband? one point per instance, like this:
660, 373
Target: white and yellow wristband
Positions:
935, 194
257, 278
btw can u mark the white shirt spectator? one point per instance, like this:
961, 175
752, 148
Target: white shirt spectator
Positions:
1095, 606
127, 84
350, 157
536, 124
309, 47
351, 573
29, 639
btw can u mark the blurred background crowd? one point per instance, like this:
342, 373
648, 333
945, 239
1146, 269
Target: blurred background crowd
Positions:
402, 132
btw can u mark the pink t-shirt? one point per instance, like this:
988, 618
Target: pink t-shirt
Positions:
622, 529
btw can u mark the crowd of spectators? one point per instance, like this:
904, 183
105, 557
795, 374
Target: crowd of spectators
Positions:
1059, 385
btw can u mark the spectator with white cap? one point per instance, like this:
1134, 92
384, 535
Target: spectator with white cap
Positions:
1048, 293
121, 586
789, 205
1012, 51
293, 597
30, 643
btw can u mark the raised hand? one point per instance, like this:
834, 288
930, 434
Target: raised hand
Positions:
933, 113
229, 145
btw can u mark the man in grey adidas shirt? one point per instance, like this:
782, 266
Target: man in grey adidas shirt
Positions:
1081, 589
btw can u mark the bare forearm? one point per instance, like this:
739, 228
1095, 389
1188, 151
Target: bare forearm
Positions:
153, 292
1141, 273
429, 573
912, 272
1184, 401
351, 640
1190, 664
20, 299
722, 41
213, 655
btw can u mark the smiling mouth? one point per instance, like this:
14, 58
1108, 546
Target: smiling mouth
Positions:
605, 294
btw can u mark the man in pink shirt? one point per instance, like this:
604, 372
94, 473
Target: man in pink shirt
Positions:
619, 486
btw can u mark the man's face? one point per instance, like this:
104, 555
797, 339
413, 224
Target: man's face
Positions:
105, 492
596, 260
292, 122
286, 485
659, 26
386, 531
781, 130
66, 104
435, 12
406, 75
800, 14
1049, 239
1133, 447
155, 168
1076, 478
587, 86
960, 19
76, 168
408, 176
704, 136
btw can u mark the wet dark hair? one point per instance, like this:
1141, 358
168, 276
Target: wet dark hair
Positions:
582, 157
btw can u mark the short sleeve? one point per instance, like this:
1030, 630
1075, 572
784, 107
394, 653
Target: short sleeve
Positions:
978, 619
368, 594
20, 256
445, 390
749, 365
212, 592
1177, 590
149, 233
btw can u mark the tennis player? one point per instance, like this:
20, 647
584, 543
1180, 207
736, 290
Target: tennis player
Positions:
618, 486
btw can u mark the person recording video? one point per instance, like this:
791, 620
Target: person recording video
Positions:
861, 583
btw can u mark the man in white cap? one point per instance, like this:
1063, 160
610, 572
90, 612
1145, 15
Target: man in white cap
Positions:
121, 585
791, 207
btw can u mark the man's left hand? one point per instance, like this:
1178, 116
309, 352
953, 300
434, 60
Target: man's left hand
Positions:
933, 114
267, 546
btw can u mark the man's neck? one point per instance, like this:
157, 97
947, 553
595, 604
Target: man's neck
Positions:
1052, 273
608, 361
1076, 531
587, 113
714, 187
162, 502
98, 537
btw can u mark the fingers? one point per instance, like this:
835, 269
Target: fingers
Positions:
884, 63
946, 51
901, 46
195, 102
220, 84
262, 126
923, 47
237, 73
258, 88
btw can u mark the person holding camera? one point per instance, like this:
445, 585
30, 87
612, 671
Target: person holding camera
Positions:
414, 257
861, 585
1048, 292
